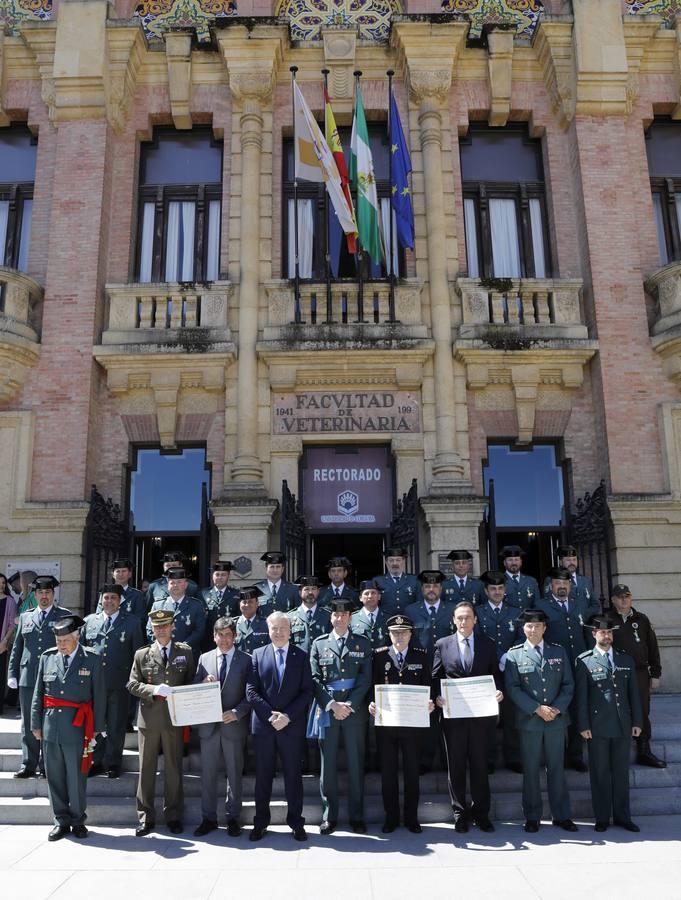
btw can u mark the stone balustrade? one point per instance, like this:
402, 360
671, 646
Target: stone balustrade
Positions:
20, 306
665, 287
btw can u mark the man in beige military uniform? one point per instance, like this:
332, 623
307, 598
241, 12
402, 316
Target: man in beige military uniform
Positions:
155, 670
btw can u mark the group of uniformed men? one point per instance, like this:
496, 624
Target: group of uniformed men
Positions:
298, 661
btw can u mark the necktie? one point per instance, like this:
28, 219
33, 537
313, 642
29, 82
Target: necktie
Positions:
43, 616
564, 604
539, 655
608, 662
400, 660
496, 612
396, 579
433, 613
164, 651
461, 584
372, 620
107, 624
341, 645
66, 663
467, 655
223, 668
309, 615
280, 664
274, 592
516, 578
336, 592
219, 597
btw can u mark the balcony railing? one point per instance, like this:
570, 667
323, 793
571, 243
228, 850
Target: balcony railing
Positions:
541, 307
152, 313
20, 302
665, 286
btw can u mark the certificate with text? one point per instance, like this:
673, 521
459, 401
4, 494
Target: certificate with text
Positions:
195, 704
402, 706
469, 698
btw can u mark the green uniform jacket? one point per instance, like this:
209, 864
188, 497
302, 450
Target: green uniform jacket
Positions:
148, 671
608, 702
397, 595
378, 635
530, 685
473, 590
228, 605
250, 638
568, 630
304, 632
30, 642
116, 647
328, 666
82, 683
426, 630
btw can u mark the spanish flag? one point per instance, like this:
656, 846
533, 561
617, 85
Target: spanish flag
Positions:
333, 140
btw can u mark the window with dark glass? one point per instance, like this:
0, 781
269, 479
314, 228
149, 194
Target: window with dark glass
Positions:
504, 204
180, 207
663, 144
17, 174
318, 226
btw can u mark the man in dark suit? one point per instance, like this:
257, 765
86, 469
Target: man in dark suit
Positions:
279, 690
276, 594
609, 714
400, 664
224, 740
521, 590
467, 655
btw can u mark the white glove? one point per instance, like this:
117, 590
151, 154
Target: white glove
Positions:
12, 684
162, 690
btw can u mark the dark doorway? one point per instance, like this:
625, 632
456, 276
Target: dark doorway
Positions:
365, 551
539, 546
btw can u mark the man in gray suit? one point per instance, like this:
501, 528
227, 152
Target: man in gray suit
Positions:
230, 667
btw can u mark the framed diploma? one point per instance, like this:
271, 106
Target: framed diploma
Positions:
467, 698
195, 704
402, 706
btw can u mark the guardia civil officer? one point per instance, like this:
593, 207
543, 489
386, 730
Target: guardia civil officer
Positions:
276, 594
521, 590
461, 586
34, 636
371, 621
67, 713
431, 614
608, 716
219, 600
251, 629
398, 587
309, 620
132, 600
400, 663
189, 617
498, 621
158, 589
580, 585
116, 636
539, 681
341, 673
567, 616
338, 568
637, 637
156, 669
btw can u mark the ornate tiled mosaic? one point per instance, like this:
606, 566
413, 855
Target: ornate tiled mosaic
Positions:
157, 16
524, 14
306, 17
665, 8
13, 12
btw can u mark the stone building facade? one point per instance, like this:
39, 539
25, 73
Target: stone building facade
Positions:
552, 120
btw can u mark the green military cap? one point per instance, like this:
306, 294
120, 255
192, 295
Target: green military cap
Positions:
511, 550
566, 550
225, 566
338, 561
173, 556
122, 564
250, 593
161, 617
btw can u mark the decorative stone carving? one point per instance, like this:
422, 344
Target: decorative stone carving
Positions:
19, 342
665, 286
553, 43
41, 39
429, 84
500, 71
179, 57
339, 55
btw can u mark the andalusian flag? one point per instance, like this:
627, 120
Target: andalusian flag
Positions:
333, 140
362, 175
315, 162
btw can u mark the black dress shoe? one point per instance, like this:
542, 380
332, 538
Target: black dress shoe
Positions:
484, 824
628, 826
578, 765
97, 769
175, 827
461, 826
389, 826
601, 826
299, 834
414, 827
327, 827
141, 830
114, 772
25, 772
233, 828
206, 826
358, 827
257, 834
531, 826
58, 832
79, 831
565, 824
649, 759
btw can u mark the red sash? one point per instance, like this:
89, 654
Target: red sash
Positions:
84, 717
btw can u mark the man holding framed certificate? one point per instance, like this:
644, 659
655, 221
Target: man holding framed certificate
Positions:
468, 728
401, 708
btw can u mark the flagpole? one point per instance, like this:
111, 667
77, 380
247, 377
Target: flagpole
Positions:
391, 252
296, 282
360, 256
327, 254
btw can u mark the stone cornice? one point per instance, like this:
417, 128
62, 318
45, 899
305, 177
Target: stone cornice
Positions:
426, 55
252, 59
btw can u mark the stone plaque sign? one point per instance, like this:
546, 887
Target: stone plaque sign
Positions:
342, 412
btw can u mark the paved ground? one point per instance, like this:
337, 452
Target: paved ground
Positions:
439, 863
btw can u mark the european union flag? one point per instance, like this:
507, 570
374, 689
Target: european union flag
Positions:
400, 198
